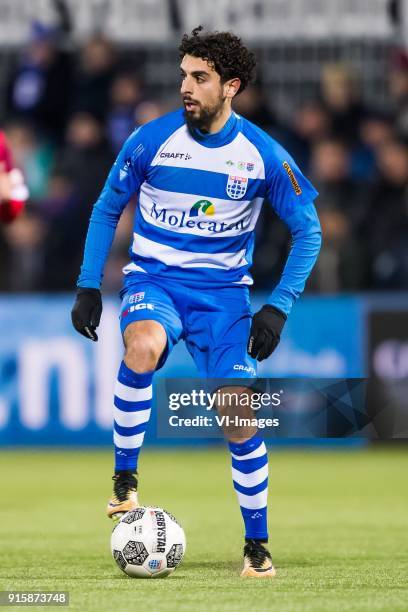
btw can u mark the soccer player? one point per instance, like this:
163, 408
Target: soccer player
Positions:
201, 174
13, 191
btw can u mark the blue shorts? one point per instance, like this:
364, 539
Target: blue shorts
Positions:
214, 323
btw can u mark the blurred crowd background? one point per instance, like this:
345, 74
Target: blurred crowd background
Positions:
67, 109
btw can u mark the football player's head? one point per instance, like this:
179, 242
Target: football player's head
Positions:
215, 67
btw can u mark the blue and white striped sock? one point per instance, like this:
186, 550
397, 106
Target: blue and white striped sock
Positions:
132, 406
250, 476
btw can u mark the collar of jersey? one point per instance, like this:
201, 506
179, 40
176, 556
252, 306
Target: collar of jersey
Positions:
221, 138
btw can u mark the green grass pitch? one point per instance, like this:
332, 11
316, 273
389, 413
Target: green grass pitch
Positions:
338, 521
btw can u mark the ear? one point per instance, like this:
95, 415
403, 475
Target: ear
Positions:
231, 87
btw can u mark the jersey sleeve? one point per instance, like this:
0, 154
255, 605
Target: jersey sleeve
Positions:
292, 195
124, 180
287, 187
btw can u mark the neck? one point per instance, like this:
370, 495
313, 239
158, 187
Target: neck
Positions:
220, 120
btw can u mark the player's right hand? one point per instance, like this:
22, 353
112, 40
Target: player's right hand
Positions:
86, 312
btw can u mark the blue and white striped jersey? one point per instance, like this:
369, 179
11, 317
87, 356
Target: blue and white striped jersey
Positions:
199, 198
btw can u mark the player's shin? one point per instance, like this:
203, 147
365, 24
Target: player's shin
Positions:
250, 478
132, 407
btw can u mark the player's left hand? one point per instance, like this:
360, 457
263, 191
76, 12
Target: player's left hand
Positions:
266, 328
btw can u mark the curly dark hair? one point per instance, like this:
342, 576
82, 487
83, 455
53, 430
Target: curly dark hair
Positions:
223, 51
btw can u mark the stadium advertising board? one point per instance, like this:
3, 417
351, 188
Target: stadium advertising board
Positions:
56, 388
388, 370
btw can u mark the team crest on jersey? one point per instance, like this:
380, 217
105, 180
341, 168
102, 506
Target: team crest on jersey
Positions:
236, 186
136, 297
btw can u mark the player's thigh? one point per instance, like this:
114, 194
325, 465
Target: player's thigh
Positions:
219, 345
228, 359
149, 317
217, 333
228, 355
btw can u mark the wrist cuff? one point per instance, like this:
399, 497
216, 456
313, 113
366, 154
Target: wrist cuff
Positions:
276, 310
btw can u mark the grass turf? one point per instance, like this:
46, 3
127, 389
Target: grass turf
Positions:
338, 524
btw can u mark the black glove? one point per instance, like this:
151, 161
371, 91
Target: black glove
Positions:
266, 328
86, 312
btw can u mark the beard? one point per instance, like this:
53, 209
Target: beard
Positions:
203, 116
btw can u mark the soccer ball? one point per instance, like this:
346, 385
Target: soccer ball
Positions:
148, 543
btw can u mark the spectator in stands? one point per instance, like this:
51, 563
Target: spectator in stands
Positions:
342, 263
341, 97
86, 156
13, 190
34, 155
253, 105
83, 164
354, 154
125, 95
61, 197
147, 111
376, 129
40, 85
93, 80
21, 263
386, 223
398, 86
13, 196
311, 124
330, 168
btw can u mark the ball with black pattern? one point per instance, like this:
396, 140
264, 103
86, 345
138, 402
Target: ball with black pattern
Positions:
148, 542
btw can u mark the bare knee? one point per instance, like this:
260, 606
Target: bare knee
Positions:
145, 342
242, 433
235, 402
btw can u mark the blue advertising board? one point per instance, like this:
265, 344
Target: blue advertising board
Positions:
56, 387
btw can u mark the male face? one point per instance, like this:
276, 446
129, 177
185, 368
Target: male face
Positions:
203, 93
